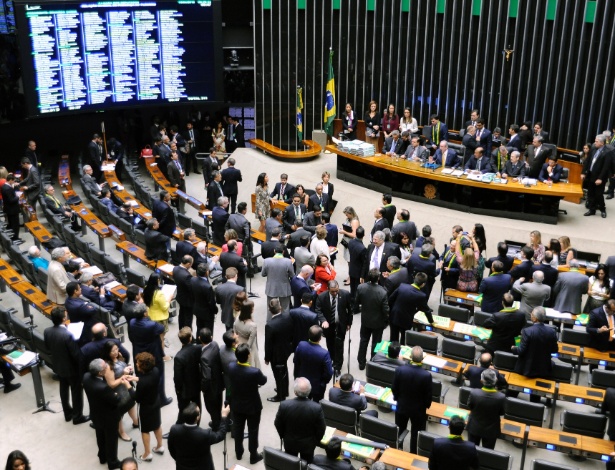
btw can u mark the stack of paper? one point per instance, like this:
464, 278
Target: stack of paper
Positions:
22, 360
93, 270
356, 147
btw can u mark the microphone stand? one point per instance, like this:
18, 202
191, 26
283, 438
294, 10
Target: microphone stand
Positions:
39, 392
251, 294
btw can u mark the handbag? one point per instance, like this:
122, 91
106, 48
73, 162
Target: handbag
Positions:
73, 200
344, 243
147, 152
104, 279
126, 400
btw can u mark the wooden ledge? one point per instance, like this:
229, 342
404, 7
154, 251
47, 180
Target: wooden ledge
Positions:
314, 149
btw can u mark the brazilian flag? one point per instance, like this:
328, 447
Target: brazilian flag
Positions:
330, 110
299, 113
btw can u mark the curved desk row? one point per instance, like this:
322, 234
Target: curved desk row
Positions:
313, 150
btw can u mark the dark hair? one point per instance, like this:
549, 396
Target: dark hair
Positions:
528, 251
190, 413
373, 275
456, 425
146, 361
17, 455
405, 214
426, 231
394, 350
514, 128
480, 237
555, 246
228, 338
107, 347
307, 297
202, 270
508, 300
162, 194
333, 448
279, 248
606, 281
359, 232
71, 288
497, 266
242, 352
434, 116
242, 206
104, 192
387, 198
153, 284
205, 335
260, 181
185, 335
240, 297
420, 279
315, 333
247, 308
304, 240
275, 212
326, 217
502, 248
346, 382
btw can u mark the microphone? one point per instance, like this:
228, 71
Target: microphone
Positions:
134, 449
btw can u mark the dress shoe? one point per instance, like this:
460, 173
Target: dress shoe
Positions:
9, 387
81, 420
610, 196
68, 418
603, 214
239, 456
361, 366
197, 172
125, 439
275, 399
589, 213
166, 402
146, 458
256, 458
158, 450
92, 425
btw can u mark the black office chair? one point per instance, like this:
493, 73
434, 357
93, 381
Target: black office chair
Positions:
481, 317
602, 379
504, 361
564, 179
587, 424
127, 228
134, 277
139, 237
437, 391
464, 351
562, 372
98, 257
43, 352
424, 443
378, 374
464, 397
116, 268
5, 319
538, 464
70, 237
315, 467
492, 459
83, 249
102, 211
184, 220
200, 229
22, 331
340, 417
428, 342
524, 411
114, 219
278, 460
576, 337
29, 271
379, 430
459, 314
42, 278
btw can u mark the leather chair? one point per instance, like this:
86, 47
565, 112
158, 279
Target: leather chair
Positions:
481, 317
576, 337
41, 348
200, 230
127, 228
42, 278
459, 314
278, 460
464, 351
184, 220
116, 268
437, 391
504, 361
428, 342
562, 372
379, 430
586, 424
98, 257
378, 374
464, 398
21, 331
134, 277
5, 319
425, 443
524, 411
139, 237
492, 459
340, 417
83, 249
602, 379
539, 464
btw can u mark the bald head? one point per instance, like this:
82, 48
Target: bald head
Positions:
538, 277
302, 387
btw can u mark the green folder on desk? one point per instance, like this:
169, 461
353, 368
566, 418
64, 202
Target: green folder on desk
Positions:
582, 319
450, 412
481, 333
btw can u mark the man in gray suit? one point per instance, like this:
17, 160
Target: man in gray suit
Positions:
273, 222
278, 271
241, 225
90, 182
569, 289
31, 186
303, 255
225, 296
313, 219
533, 294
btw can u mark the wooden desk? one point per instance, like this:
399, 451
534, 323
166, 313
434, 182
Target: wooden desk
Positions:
580, 394
257, 236
274, 204
395, 459
347, 450
452, 368
442, 413
31, 295
130, 250
313, 149
8, 275
542, 387
552, 439
90, 220
593, 356
39, 232
457, 297
191, 201
512, 430
119, 292
159, 177
125, 196
598, 449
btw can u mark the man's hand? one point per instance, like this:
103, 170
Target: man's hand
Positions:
598, 183
521, 280
603, 329
325, 325
225, 411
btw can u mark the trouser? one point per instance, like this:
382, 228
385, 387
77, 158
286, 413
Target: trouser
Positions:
233, 202
73, 386
595, 196
185, 316
354, 283
204, 323
213, 405
106, 439
284, 303
7, 373
397, 334
253, 421
280, 375
335, 337
305, 453
183, 403
365, 333
488, 442
12, 222
611, 190
417, 423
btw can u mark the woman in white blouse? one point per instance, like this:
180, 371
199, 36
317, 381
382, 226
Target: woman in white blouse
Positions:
319, 244
327, 187
408, 123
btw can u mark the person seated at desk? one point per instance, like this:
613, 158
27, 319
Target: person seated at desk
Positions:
415, 151
127, 213
96, 295
90, 181
346, 397
55, 206
449, 156
332, 459
282, 190
106, 200
600, 327
478, 163
452, 451
473, 373
34, 255
392, 145
391, 359
551, 171
155, 242
513, 168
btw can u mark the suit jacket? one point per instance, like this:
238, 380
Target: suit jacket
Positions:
155, 244
294, 239
33, 182
212, 381
532, 295
515, 142
313, 362
65, 352
289, 218
165, 216
486, 408
371, 300
602, 167
186, 373
204, 307
395, 279
516, 170
598, 319
470, 145
94, 350
279, 272
209, 166
551, 274
241, 225
95, 154
505, 325
268, 249
412, 390
608, 405
225, 296
214, 191
184, 248
323, 202
91, 184
310, 222
507, 261
279, 339
555, 177
384, 253
81, 311
230, 177
379, 225
538, 342
404, 303
473, 374
53, 205
311, 417
349, 399
190, 446
452, 159
103, 402
416, 152
405, 226
175, 177
435, 137
384, 360
145, 337
389, 214
522, 270
417, 264
388, 146
271, 224
57, 279
344, 309
303, 256
536, 160
357, 252
10, 200
182, 278
230, 259
493, 289
486, 140
298, 287
245, 381
569, 290
485, 164
219, 217
453, 453
286, 195
303, 318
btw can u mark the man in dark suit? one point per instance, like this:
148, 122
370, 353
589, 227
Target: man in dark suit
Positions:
192, 140
214, 190
66, 362
551, 274
469, 142
404, 303
300, 286
156, 243
371, 301
182, 278
391, 358
483, 136
204, 306
230, 177
535, 156
474, 115
313, 219
449, 156
230, 259
268, 247
79, 310
478, 162
303, 319
94, 349
600, 327
513, 168
30, 154
246, 402
494, 287
439, 132
423, 261
186, 372
319, 199
10, 205
334, 310
332, 460
282, 190
190, 445
300, 440
523, 269
356, 251
393, 144
225, 297
293, 213
210, 164
395, 276
313, 362
219, 217
596, 170
404, 225
278, 348
412, 390
345, 396
380, 222
238, 136
551, 171
163, 212
507, 261
505, 325
31, 185
95, 154
175, 172
452, 451
389, 209
104, 410
474, 373
514, 141
377, 255
538, 342
212, 381
186, 247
